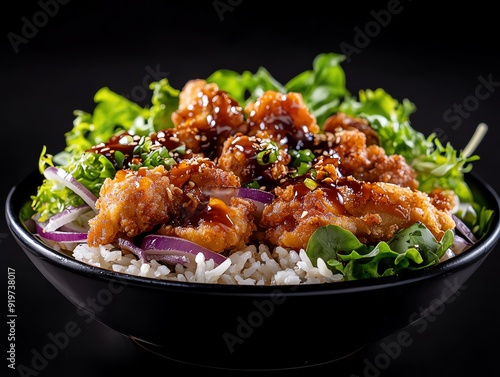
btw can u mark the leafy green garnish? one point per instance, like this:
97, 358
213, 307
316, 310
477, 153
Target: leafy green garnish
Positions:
89, 169
324, 87
112, 114
247, 86
165, 101
410, 249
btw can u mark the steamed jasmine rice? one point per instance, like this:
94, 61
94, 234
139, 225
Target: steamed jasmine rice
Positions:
250, 266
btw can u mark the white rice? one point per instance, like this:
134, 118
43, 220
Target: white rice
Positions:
250, 266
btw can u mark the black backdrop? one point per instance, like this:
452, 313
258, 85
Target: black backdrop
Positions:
56, 54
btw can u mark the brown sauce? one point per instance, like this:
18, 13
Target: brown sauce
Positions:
215, 212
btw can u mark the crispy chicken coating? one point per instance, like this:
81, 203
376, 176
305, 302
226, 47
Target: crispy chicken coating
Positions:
340, 121
364, 162
206, 117
373, 211
218, 227
131, 203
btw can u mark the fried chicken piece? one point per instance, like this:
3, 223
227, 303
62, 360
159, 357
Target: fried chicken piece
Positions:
373, 211
135, 202
205, 219
206, 117
283, 118
364, 162
342, 121
218, 227
132, 203
177, 203
254, 159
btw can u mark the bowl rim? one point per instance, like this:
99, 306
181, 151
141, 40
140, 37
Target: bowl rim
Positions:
39, 250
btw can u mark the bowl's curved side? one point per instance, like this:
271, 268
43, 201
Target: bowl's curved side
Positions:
239, 327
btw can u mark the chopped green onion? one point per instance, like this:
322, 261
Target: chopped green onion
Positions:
268, 155
310, 184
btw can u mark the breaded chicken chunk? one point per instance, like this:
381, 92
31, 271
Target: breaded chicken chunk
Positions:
254, 159
206, 117
373, 211
218, 226
175, 202
362, 161
133, 202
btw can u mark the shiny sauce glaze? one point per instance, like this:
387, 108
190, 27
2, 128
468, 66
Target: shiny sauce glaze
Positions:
253, 171
213, 212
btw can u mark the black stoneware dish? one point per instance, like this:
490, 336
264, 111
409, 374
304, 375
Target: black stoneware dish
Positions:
251, 327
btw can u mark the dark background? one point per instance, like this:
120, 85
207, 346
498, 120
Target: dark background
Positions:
436, 57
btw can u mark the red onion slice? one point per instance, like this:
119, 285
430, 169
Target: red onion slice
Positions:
65, 178
73, 227
137, 251
183, 250
259, 197
170, 258
63, 218
255, 194
464, 230
59, 236
460, 244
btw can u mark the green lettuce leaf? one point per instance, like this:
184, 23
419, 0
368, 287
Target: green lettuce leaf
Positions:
165, 100
324, 87
247, 86
409, 249
112, 114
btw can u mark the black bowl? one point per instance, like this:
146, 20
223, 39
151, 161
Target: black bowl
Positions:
252, 327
